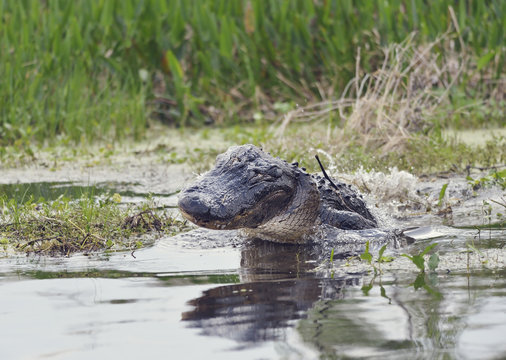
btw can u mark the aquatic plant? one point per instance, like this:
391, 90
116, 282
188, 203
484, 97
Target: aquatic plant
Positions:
368, 256
495, 177
442, 194
424, 281
419, 261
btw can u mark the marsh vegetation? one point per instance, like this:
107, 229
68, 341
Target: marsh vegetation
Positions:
107, 70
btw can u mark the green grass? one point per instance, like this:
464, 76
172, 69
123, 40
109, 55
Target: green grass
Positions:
87, 224
89, 70
420, 155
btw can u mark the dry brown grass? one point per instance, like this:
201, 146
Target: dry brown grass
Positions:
384, 109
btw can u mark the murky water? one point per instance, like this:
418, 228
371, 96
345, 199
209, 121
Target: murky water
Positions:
216, 297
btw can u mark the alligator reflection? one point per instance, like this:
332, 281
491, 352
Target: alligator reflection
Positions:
277, 288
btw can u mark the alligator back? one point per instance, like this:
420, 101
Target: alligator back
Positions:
344, 198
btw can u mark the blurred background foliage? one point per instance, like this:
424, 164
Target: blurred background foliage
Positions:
84, 70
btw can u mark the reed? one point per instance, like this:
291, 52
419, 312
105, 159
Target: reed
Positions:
88, 69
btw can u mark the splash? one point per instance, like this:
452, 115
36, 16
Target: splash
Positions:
389, 195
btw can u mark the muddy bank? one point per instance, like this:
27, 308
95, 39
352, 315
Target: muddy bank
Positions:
159, 165
140, 175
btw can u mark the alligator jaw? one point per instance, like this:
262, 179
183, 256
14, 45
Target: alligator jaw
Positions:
251, 217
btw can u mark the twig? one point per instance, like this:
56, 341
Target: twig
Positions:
325, 173
75, 226
31, 242
498, 203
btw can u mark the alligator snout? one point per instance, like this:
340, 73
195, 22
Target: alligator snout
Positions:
201, 206
193, 205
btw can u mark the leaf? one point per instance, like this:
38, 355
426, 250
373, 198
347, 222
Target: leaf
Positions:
407, 256
385, 259
382, 250
332, 255
383, 293
366, 255
226, 40
419, 262
442, 194
174, 65
419, 281
366, 288
433, 262
501, 174
428, 248
485, 59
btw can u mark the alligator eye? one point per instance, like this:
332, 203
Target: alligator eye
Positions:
237, 162
255, 177
275, 172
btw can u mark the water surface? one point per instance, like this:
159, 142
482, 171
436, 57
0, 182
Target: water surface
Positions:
193, 298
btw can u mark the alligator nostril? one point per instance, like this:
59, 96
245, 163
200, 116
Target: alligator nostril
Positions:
193, 205
191, 189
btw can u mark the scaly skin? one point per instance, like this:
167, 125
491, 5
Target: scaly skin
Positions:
268, 198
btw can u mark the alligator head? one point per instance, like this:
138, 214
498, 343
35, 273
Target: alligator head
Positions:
251, 190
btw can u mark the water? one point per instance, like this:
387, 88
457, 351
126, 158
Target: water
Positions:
193, 297
52, 190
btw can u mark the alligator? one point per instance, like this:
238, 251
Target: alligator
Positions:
270, 199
